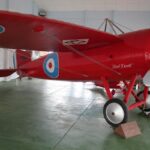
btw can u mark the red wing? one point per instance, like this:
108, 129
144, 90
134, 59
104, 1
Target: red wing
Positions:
19, 31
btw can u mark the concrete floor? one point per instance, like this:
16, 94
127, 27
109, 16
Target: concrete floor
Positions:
44, 115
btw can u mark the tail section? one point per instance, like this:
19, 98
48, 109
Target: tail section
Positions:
22, 57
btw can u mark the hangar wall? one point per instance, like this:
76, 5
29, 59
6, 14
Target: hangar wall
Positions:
131, 19
92, 5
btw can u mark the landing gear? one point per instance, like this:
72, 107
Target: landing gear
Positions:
145, 107
115, 112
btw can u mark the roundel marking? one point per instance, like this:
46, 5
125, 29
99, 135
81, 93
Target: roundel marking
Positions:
51, 65
2, 29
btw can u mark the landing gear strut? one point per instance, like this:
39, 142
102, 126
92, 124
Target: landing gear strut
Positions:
116, 111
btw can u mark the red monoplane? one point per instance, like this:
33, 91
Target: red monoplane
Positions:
81, 54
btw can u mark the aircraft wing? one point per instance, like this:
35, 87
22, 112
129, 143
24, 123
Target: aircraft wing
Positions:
20, 31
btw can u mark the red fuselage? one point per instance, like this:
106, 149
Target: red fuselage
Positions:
129, 57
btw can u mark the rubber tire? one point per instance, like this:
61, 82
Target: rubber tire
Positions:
124, 107
146, 109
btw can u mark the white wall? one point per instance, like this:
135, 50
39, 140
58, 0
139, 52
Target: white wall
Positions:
132, 19
24, 6
93, 5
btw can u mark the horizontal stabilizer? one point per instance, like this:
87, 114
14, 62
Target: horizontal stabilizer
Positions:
6, 72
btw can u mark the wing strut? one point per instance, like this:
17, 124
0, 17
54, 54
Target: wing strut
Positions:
83, 55
90, 59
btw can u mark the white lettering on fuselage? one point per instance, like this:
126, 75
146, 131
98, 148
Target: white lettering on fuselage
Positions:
122, 66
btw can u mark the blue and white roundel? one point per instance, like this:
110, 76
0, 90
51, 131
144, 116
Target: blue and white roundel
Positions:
51, 65
2, 29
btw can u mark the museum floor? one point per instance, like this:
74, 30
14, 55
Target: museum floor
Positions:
43, 115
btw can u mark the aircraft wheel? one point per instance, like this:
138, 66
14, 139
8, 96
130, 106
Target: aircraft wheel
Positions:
115, 112
146, 106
